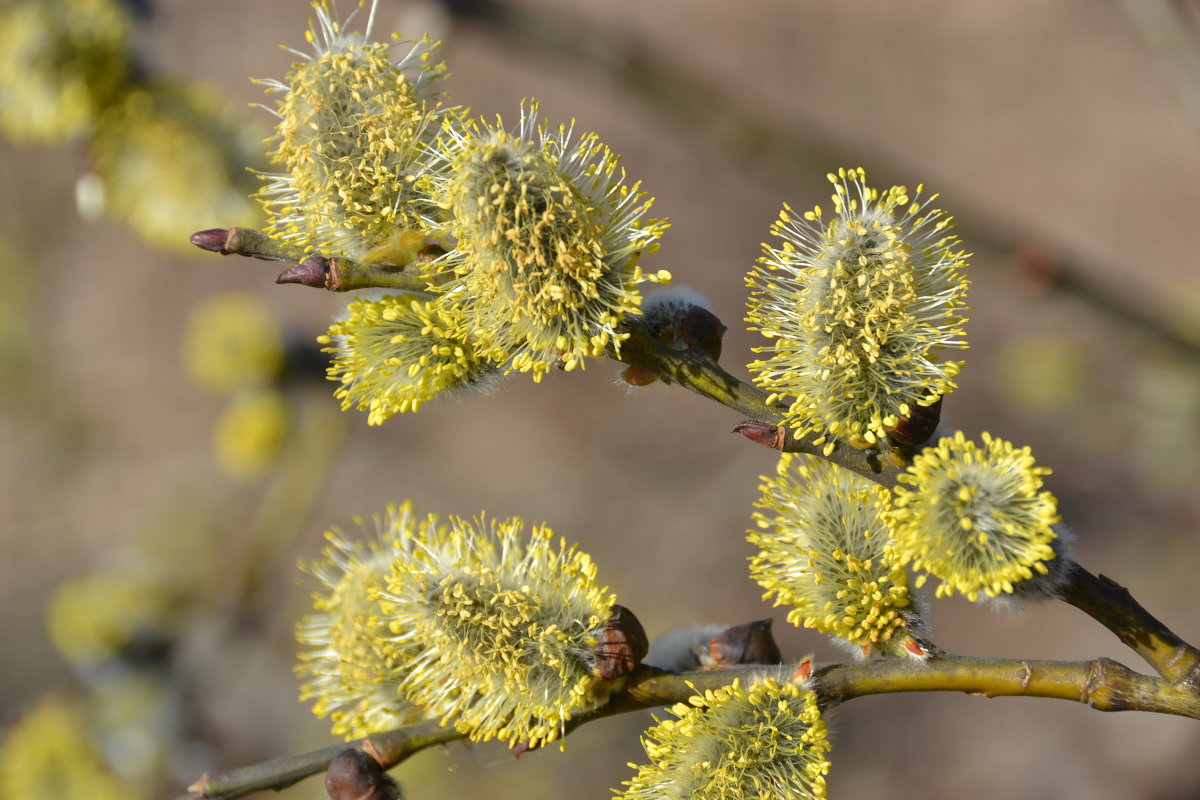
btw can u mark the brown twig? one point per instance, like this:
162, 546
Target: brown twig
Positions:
318, 271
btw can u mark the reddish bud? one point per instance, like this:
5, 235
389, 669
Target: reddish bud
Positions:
803, 671
751, 643
354, 775
636, 376
312, 272
622, 644
773, 436
215, 240
914, 647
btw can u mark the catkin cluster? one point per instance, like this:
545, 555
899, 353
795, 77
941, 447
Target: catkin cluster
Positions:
538, 232
478, 623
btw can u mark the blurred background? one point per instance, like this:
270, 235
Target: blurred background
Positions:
154, 504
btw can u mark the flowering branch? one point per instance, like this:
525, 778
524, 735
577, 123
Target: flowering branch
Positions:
692, 369
696, 370
1102, 684
1099, 597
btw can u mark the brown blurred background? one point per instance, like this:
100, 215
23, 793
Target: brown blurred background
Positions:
1067, 127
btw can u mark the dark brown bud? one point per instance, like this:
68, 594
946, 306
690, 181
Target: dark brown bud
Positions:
701, 328
354, 775
773, 436
312, 272
918, 426
622, 644
751, 643
215, 240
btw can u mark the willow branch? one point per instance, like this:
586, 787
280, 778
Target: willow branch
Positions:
278, 773
1102, 684
1111, 604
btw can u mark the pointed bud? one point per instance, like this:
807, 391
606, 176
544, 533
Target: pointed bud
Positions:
622, 644
915, 648
215, 240
751, 643
312, 272
767, 435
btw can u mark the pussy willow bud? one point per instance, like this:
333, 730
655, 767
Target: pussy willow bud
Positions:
351, 668
394, 354
312, 271
622, 644
683, 649
47, 753
353, 136
61, 63
752, 643
171, 159
857, 308
736, 744
678, 319
974, 517
917, 426
231, 343
548, 238
825, 549
500, 629
251, 432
